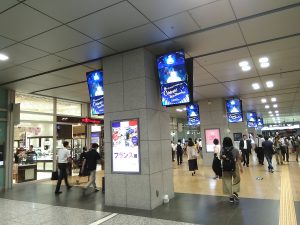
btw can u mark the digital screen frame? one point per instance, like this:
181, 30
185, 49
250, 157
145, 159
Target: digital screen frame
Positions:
96, 91
2, 155
234, 110
210, 135
125, 146
260, 122
175, 79
251, 119
192, 112
193, 121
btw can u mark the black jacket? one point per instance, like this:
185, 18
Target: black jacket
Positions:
248, 145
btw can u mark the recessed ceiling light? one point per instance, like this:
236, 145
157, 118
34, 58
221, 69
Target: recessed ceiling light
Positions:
265, 65
3, 57
270, 84
243, 63
255, 86
263, 59
179, 110
267, 106
270, 112
275, 105
273, 99
277, 114
263, 100
276, 111
246, 68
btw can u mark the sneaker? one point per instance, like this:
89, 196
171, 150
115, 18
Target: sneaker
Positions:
231, 200
236, 197
58, 192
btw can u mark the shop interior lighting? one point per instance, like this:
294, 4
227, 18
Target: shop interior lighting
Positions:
3, 57
275, 106
270, 84
255, 86
273, 99
267, 106
263, 100
184, 109
276, 111
179, 110
270, 112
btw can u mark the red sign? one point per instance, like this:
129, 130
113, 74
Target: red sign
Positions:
93, 121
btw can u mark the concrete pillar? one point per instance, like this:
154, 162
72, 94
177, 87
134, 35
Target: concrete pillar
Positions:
132, 91
213, 115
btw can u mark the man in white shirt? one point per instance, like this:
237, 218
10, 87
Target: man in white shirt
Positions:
63, 156
259, 150
245, 147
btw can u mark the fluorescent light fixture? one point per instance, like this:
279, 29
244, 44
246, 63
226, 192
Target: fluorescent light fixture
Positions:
272, 115
270, 112
265, 65
276, 111
255, 86
273, 99
243, 63
270, 84
277, 114
263, 60
246, 68
3, 57
275, 106
267, 106
184, 109
179, 110
263, 100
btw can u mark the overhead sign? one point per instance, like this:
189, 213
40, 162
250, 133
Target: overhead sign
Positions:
125, 146
95, 85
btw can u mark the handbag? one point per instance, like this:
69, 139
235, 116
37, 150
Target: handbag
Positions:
54, 175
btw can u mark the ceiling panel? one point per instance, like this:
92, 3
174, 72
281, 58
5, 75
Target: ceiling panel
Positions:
58, 39
134, 38
177, 25
4, 42
212, 40
5, 4
202, 77
69, 9
24, 22
205, 16
25, 87
86, 52
74, 74
213, 91
94, 65
245, 8
278, 24
163, 47
158, 9
284, 80
15, 73
20, 53
47, 63
48, 81
242, 87
112, 20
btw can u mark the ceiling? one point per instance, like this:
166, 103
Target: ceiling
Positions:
52, 43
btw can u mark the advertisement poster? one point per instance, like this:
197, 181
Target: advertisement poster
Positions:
234, 110
193, 121
260, 122
192, 110
125, 146
210, 135
173, 78
95, 85
251, 119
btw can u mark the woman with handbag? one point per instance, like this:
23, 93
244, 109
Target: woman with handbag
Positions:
277, 149
192, 157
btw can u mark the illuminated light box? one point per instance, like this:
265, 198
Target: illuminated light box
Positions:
260, 122
193, 121
210, 135
125, 146
95, 85
234, 110
175, 83
251, 119
192, 112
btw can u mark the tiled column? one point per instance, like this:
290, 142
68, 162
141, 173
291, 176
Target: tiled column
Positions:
213, 115
132, 91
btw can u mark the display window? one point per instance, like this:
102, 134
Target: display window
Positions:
68, 108
32, 103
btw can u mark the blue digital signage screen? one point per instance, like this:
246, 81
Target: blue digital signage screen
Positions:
251, 119
193, 121
260, 122
234, 110
235, 117
192, 110
173, 79
95, 85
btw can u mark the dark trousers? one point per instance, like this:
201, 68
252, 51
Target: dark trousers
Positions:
62, 174
285, 153
179, 158
260, 155
173, 155
245, 155
269, 160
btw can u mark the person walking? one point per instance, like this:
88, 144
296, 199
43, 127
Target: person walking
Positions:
245, 147
216, 165
63, 157
179, 152
91, 159
231, 165
173, 149
259, 150
268, 152
297, 146
278, 154
192, 156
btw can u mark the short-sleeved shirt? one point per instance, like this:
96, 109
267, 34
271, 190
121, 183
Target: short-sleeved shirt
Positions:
92, 157
235, 153
63, 154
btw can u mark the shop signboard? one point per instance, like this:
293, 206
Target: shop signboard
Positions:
210, 135
125, 146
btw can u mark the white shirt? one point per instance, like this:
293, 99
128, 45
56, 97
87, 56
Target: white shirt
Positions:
245, 144
63, 154
259, 142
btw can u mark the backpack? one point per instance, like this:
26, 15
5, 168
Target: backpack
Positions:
179, 148
228, 163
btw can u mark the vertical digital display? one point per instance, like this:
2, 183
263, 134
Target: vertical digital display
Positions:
210, 135
192, 112
234, 110
1, 155
125, 146
95, 85
251, 119
260, 122
173, 77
